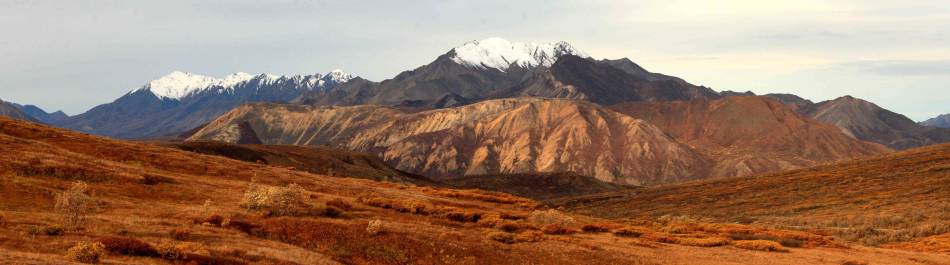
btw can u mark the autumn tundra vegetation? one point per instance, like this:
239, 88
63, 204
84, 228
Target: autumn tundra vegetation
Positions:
71, 197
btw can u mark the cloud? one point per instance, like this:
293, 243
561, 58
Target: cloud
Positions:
901, 67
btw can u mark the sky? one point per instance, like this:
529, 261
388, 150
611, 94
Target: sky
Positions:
74, 55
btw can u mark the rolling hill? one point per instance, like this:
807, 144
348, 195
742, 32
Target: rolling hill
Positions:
895, 197
144, 203
749, 134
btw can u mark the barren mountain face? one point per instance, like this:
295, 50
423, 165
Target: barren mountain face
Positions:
867, 121
491, 137
749, 135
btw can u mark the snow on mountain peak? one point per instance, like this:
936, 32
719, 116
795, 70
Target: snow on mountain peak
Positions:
499, 53
178, 84
337, 76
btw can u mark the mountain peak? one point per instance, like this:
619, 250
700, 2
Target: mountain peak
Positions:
337, 76
500, 53
178, 84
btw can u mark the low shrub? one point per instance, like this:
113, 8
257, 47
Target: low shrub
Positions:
512, 226
340, 204
760, 245
128, 246
786, 242
84, 252
502, 237
331, 212
556, 229
460, 215
551, 216
631, 231
3, 221
212, 220
596, 228
375, 227
46, 231
529, 236
179, 251
659, 237
179, 234
703, 242
155, 180
242, 224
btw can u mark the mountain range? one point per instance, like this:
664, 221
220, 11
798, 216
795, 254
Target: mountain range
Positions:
500, 107
942, 121
181, 101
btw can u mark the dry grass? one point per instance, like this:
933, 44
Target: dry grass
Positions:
205, 195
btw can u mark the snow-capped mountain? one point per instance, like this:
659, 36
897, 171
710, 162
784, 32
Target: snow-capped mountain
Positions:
498, 68
178, 84
499, 53
180, 101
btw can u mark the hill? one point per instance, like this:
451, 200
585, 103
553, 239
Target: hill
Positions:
13, 111
507, 136
324, 161
750, 134
942, 121
543, 186
148, 204
889, 198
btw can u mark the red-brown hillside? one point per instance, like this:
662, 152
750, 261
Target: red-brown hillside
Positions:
750, 135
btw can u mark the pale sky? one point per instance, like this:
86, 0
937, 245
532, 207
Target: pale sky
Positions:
75, 54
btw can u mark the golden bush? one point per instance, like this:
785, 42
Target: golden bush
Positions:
85, 252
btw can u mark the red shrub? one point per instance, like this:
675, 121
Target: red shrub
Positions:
127, 246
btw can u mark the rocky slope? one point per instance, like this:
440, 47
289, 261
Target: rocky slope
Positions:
867, 121
750, 134
605, 82
942, 121
527, 135
181, 101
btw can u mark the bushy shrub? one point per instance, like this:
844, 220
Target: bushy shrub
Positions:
556, 229
375, 227
127, 246
340, 204
631, 231
703, 242
596, 228
179, 234
84, 252
529, 236
551, 216
277, 201
331, 212
502, 237
155, 180
73, 204
3, 221
46, 231
760, 245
